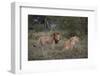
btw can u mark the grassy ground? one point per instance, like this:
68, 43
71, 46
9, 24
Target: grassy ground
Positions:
36, 53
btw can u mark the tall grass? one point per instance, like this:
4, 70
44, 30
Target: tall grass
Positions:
36, 53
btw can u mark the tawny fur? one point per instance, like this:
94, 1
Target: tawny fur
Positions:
70, 43
53, 39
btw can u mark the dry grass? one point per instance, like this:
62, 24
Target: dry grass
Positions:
36, 53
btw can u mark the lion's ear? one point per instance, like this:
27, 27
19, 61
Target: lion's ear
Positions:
71, 38
57, 33
52, 34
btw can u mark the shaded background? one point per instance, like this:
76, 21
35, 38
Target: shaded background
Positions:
39, 23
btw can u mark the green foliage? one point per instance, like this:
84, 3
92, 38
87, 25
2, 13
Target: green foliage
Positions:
76, 25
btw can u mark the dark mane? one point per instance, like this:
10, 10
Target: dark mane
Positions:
56, 41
